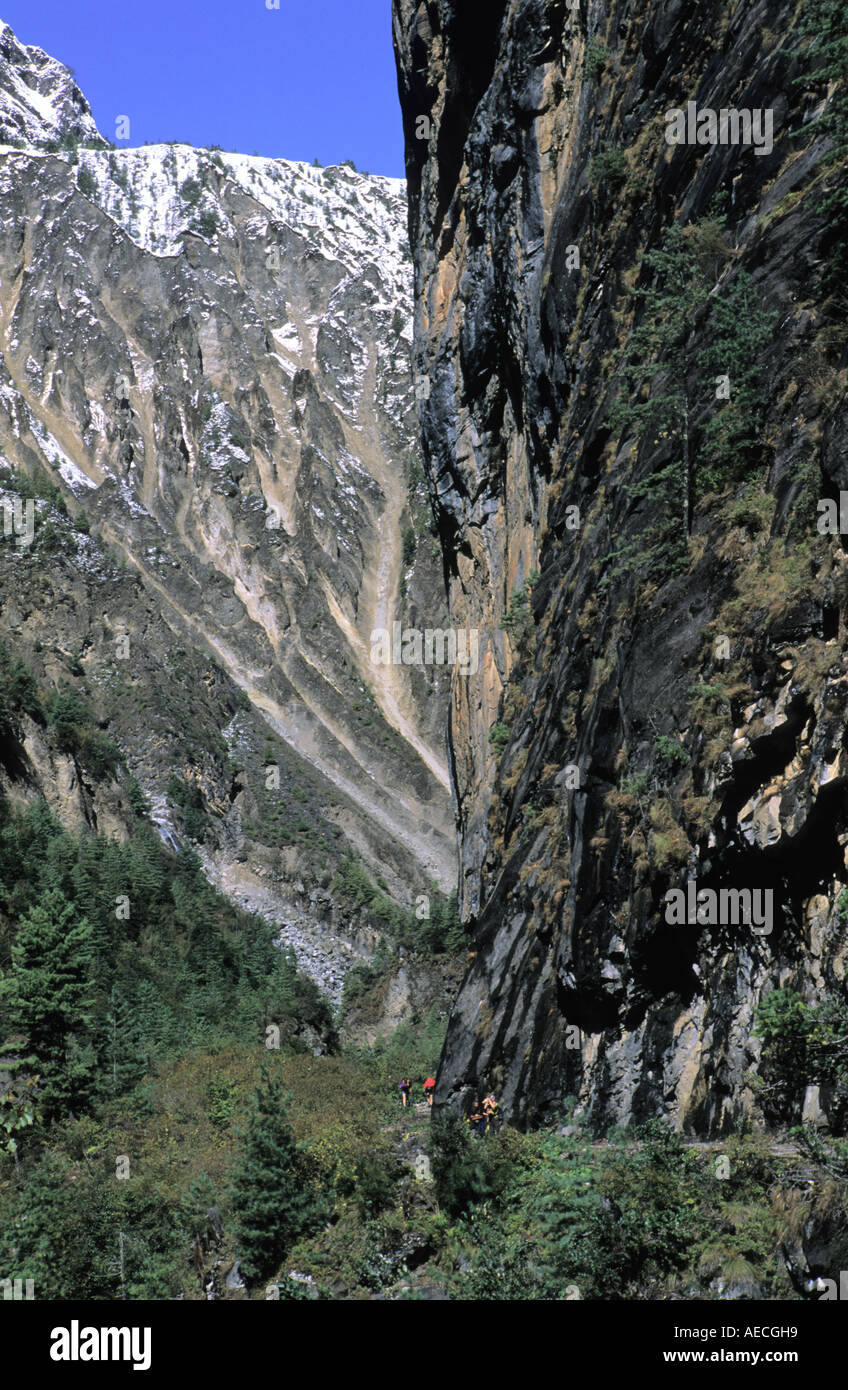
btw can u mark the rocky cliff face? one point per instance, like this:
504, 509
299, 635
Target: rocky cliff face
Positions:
205, 376
629, 732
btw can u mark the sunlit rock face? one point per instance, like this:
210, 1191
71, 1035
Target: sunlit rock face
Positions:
209, 355
705, 714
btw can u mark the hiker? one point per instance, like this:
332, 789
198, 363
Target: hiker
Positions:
405, 1091
429, 1088
478, 1118
491, 1109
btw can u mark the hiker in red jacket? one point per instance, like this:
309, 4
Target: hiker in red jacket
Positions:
429, 1088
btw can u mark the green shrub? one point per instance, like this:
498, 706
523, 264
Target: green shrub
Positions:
86, 182
783, 1022
738, 332
18, 692
595, 60
410, 545
191, 191
222, 1095
650, 1217
188, 796
71, 720
822, 23
442, 930
518, 619
499, 735
466, 1170
608, 169
671, 755
206, 223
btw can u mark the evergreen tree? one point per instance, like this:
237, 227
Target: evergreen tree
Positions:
156, 1022
192, 1217
661, 357
47, 995
465, 1170
783, 1021
120, 1052
271, 1197
24, 844
739, 332
670, 373
82, 1235
822, 24
59, 864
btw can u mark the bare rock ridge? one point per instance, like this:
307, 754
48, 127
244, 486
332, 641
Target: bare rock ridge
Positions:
706, 709
206, 357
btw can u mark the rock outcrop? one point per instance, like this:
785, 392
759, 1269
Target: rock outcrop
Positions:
625, 735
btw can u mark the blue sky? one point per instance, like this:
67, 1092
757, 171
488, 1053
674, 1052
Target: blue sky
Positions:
314, 79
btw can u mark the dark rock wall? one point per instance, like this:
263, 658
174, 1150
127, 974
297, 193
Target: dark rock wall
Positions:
575, 982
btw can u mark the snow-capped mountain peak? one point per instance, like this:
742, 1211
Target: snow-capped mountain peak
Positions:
39, 99
209, 354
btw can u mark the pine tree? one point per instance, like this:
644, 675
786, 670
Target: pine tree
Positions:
47, 995
120, 1050
661, 356
25, 841
739, 332
156, 1023
193, 1219
670, 373
822, 24
271, 1198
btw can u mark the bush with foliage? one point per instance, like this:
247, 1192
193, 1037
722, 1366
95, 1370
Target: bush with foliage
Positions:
19, 693
803, 1045
188, 796
595, 60
86, 182
608, 170
72, 721
499, 736
782, 1022
191, 191
465, 1170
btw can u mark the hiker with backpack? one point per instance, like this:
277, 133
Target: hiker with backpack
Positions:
491, 1110
477, 1119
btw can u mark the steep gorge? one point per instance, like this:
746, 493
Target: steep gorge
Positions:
205, 379
705, 708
